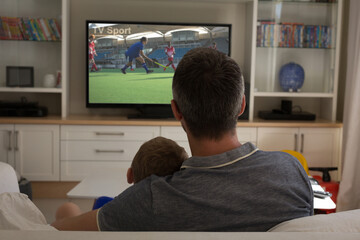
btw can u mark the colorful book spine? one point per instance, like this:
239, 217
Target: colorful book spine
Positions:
29, 29
293, 35
55, 28
52, 34
5, 25
2, 32
39, 30
34, 31
44, 31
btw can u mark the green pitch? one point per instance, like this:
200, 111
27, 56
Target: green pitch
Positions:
112, 86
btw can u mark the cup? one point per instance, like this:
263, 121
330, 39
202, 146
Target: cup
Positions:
49, 81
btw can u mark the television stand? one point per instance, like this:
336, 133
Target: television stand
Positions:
153, 112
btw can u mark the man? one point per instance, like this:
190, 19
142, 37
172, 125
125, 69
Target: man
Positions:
135, 51
224, 186
213, 46
170, 52
92, 53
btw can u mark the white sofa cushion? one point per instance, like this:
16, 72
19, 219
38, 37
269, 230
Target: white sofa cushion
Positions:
8, 178
348, 221
18, 212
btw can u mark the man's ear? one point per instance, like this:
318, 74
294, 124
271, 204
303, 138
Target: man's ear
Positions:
130, 176
175, 110
243, 105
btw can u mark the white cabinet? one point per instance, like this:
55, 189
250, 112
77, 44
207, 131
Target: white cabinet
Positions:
33, 150
178, 135
89, 149
321, 147
245, 134
6, 144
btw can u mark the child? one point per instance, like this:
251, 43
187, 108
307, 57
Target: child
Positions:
159, 156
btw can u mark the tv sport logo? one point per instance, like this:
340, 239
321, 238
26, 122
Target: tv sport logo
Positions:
113, 31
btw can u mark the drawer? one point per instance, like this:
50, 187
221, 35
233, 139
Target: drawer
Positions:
78, 170
91, 132
99, 150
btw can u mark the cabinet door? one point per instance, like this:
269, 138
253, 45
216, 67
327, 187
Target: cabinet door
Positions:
6, 144
277, 139
37, 151
322, 148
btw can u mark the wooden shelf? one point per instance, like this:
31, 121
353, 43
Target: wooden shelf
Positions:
31, 89
293, 94
123, 121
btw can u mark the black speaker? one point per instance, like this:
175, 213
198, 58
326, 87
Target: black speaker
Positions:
286, 106
19, 76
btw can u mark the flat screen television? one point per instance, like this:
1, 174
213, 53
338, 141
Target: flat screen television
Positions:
149, 93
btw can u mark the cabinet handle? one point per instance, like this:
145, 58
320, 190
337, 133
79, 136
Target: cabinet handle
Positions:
302, 143
110, 133
16, 148
10, 136
109, 151
296, 142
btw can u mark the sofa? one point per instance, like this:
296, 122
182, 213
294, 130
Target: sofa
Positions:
342, 225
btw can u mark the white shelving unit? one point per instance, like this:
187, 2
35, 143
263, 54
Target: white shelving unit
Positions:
321, 65
46, 57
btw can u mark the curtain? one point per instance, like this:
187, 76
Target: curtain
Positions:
349, 192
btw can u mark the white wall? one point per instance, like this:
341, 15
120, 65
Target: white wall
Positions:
155, 11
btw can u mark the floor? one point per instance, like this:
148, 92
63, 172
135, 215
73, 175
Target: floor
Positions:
48, 206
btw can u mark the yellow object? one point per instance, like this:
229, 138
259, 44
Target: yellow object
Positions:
299, 157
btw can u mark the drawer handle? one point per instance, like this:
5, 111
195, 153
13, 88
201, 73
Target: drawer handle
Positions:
16, 141
110, 133
302, 143
10, 145
109, 151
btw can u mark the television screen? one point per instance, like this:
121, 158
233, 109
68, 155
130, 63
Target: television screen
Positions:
116, 76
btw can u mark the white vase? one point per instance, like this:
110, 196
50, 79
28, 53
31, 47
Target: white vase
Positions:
49, 81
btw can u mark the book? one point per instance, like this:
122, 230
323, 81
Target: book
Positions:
55, 28
2, 32
5, 25
39, 30
52, 34
29, 31
34, 31
45, 34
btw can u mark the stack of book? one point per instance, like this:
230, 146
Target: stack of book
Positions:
33, 29
293, 35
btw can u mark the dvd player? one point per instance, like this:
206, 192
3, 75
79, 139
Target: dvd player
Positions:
22, 109
273, 115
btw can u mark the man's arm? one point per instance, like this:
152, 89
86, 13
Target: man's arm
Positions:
144, 56
83, 222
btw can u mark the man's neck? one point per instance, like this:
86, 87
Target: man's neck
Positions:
208, 147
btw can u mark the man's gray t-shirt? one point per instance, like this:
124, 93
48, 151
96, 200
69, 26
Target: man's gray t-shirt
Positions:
244, 189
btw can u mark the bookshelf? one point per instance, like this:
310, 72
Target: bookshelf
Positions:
303, 32
35, 33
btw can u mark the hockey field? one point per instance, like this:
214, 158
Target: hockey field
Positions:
112, 86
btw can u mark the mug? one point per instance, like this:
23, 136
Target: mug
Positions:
49, 81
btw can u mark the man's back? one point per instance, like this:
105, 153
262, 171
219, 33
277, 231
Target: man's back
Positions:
241, 190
